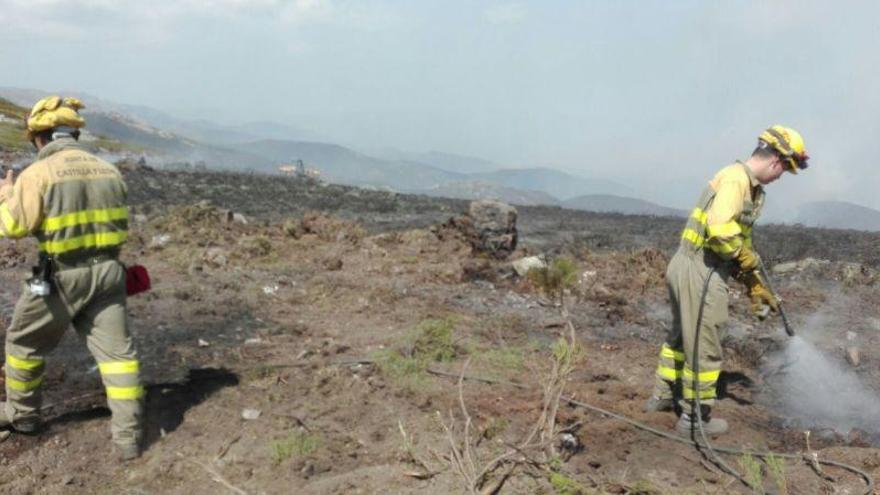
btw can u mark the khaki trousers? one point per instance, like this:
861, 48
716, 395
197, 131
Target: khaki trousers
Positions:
92, 299
685, 279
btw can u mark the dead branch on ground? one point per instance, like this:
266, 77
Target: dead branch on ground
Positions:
536, 450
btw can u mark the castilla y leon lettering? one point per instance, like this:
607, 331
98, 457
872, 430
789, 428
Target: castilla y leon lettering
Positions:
81, 172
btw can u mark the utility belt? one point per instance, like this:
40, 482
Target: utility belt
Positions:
42, 281
81, 261
707, 257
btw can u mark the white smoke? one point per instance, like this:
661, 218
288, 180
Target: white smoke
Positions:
821, 392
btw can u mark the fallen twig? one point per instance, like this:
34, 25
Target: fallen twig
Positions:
435, 371
411, 456
495, 487
421, 475
226, 446
571, 428
89, 395
216, 476
299, 422
468, 456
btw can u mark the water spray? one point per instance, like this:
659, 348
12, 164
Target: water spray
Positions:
697, 426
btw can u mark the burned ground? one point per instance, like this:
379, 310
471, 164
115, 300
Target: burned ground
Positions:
337, 321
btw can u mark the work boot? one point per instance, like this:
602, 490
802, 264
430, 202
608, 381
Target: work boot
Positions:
128, 452
711, 426
656, 404
29, 426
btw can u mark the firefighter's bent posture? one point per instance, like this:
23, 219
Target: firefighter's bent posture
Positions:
717, 242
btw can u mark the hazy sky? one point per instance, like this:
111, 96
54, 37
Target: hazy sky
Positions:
655, 93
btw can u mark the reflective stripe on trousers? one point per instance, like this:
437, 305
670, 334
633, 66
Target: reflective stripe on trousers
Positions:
707, 383
24, 375
670, 364
121, 379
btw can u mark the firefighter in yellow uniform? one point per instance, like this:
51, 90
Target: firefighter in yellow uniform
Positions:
715, 245
75, 205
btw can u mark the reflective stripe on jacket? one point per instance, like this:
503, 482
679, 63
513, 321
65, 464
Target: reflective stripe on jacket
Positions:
724, 216
70, 200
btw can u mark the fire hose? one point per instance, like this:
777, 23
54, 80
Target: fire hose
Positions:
788, 328
869, 481
867, 478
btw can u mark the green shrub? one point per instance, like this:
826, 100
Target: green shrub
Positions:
297, 444
776, 466
432, 340
507, 357
752, 473
405, 372
563, 485
406, 364
554, 279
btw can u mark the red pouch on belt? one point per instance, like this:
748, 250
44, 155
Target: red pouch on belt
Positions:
137, 280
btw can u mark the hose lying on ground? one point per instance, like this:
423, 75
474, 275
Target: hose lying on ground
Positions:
868, 479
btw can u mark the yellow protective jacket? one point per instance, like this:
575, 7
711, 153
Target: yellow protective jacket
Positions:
724, 216
73, 202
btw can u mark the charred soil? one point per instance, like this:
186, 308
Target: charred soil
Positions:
307, 338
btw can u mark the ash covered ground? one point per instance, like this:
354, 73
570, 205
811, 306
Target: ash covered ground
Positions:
308, 305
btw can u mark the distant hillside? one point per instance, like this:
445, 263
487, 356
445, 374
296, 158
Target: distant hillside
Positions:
346, 166
619, 204
167, 146
839, 215
485, 190
12, 136
197, 130
553, 182
106, 129
11, 111
210, 132
201, 131
124, 128
11, 127
446, 161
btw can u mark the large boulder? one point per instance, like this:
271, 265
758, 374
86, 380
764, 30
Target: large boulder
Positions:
489, 227
494, 223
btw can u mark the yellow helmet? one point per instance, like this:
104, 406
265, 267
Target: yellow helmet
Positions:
54, 111
788, 143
